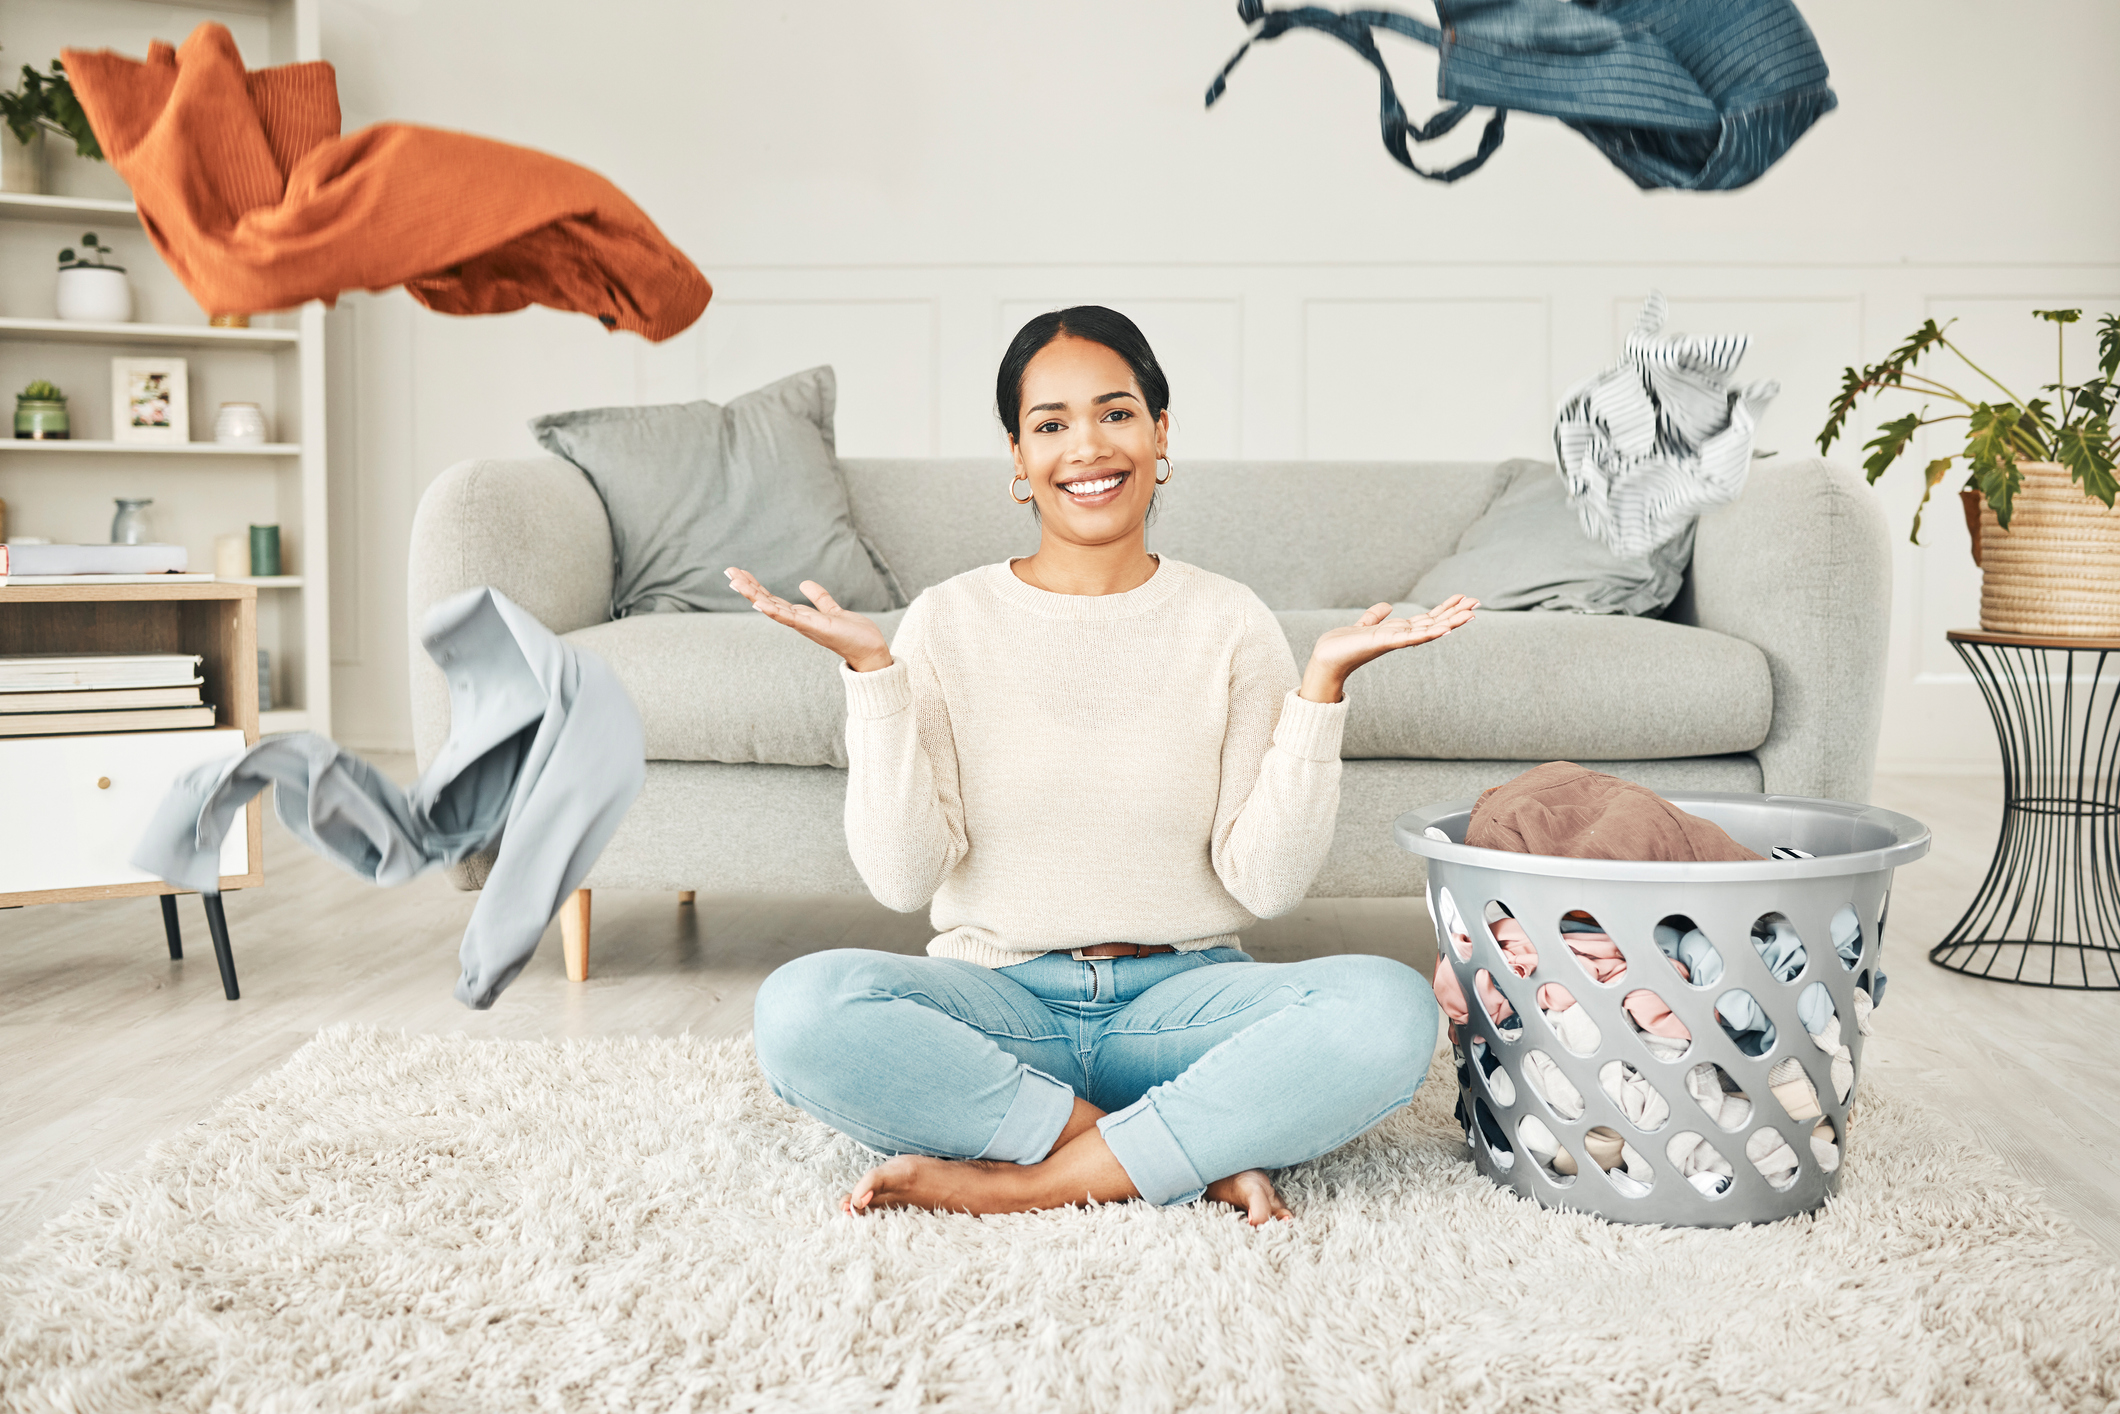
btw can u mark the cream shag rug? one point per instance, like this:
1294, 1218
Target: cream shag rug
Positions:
437, 1223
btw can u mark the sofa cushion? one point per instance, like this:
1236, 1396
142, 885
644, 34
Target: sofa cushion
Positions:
729, 687
1545, 687
693, 488
1512, 686
1529, 551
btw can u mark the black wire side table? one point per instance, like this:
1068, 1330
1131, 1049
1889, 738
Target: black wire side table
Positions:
2048, 912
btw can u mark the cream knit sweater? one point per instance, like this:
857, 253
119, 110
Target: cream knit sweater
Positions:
1056, 771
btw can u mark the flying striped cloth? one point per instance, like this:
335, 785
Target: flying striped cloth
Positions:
1649, 445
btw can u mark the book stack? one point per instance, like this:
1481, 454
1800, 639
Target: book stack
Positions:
70, 694
38, 563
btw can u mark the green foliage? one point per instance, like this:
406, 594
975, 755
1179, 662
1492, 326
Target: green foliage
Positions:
1892, 439
2075, 429
47, 101
1891, 373
41, 392
92, 258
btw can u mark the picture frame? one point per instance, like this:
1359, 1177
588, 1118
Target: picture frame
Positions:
150, 400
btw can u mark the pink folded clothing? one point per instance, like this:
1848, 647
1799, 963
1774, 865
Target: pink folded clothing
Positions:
1647, 1009
1517, 950
1650, 1013
1599, 955
1451, 997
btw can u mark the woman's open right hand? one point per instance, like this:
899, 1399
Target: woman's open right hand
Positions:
845, 632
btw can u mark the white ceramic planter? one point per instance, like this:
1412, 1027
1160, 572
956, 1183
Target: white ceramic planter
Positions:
239, 425
95, 295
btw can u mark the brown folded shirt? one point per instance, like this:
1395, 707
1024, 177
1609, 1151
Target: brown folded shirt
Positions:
257, 203
1562, 808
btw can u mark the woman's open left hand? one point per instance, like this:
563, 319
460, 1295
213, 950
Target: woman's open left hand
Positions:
1340, 651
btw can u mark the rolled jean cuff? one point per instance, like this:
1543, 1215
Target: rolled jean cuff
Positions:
1151, 1155
1034, 1120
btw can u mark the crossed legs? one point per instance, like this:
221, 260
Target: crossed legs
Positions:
1191, 1089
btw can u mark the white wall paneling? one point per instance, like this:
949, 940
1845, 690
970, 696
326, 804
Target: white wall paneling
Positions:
1458, 378
882, 351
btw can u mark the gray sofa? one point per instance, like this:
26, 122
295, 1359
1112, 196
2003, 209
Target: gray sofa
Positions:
1766, 675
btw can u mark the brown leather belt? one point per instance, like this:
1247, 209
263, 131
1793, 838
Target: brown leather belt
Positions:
1125, 949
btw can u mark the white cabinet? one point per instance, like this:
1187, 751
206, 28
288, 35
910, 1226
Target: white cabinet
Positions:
72, 808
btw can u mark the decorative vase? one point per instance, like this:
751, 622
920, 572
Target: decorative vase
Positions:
239, 425
42, 420
21, 163
129, 525
95, 294
2055, 573
265, 551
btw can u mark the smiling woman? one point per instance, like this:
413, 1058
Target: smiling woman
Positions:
1073, 349
1098, 765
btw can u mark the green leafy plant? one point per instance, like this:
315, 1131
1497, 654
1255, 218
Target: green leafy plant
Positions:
91, 257
2074, 429
47, 101
41, 392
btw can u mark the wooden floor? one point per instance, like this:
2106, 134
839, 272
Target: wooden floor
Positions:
107, 1045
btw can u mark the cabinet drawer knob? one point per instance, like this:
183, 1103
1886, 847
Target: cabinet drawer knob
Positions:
102, 783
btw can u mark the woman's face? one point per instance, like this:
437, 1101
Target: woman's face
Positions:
1086, 442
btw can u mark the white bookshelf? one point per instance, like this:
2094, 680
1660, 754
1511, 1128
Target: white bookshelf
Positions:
64, 490
199, 335
71, 447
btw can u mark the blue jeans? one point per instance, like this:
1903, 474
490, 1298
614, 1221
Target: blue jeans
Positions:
1207, 1063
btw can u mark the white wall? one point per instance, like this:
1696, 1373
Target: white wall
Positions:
892, 188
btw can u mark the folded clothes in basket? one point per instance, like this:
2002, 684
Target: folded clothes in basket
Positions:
1565, 809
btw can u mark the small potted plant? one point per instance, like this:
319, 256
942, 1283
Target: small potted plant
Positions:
90, 287
40, 413
39, 104
2038, 495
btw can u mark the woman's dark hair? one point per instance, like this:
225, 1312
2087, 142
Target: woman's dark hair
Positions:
1084, 321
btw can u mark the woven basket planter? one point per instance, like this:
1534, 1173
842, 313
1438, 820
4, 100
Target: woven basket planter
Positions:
2056, 570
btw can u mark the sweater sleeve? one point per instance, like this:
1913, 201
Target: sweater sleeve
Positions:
904, 816
1280, 789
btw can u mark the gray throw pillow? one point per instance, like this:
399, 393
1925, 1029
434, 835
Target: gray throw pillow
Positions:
1529, 551
692, 488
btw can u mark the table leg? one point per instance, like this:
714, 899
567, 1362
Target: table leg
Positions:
217, 924
170, 930
2048, 912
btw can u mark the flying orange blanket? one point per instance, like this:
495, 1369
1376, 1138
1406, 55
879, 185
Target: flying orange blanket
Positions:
249, 192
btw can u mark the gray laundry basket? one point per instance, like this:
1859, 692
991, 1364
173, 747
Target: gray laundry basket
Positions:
1856, 848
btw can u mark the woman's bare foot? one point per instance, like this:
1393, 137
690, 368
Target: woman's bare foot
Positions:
945, 1185
1081, 1171
1250, 1193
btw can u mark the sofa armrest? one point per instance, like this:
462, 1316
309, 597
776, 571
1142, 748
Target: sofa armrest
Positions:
534, 529
1801, 567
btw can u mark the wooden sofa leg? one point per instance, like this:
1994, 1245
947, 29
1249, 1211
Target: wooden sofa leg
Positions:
684, 897
574, 934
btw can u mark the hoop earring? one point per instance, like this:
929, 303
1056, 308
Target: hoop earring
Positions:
1170, 469
1020, 500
